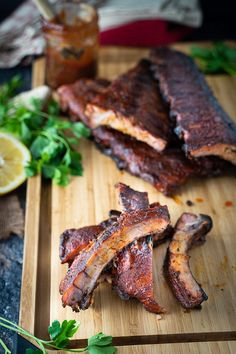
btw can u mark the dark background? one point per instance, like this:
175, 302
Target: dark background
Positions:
219, 21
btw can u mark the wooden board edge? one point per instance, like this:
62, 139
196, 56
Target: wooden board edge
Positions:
30, 258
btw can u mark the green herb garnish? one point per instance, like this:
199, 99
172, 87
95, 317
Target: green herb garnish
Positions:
60, 335
49, 138
219, 59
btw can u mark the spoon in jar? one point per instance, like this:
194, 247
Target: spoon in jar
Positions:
45, 8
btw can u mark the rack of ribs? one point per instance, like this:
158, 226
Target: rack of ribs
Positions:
200, 120
81, 279
132, 105
190, 230
166, 171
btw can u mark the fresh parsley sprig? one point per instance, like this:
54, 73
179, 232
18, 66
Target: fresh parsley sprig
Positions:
60, 335
220, 58
51, 140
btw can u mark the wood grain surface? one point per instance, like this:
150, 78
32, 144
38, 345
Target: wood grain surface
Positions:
88, 199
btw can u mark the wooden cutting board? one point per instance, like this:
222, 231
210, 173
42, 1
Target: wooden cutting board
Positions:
87, 200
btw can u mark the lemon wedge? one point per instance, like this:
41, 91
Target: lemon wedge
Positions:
13, 157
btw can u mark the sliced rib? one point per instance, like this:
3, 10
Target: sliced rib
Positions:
74, 97
190, 230
133, 105
78, 285
200, 120
133, 267
133, 275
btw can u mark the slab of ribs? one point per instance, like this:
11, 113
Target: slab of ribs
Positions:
200, 121
159, 121
120, 250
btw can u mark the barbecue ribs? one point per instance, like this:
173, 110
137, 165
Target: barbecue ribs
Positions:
81, 279
133, 105
190, 230
132, 271
166, 172
200, 120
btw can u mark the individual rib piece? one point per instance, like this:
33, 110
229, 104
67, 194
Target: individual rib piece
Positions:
167, 171
190, 230
132, 271
78, 285
200, 120
74, 97
133, 105
133, 276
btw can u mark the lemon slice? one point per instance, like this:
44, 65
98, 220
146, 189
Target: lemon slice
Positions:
13, 157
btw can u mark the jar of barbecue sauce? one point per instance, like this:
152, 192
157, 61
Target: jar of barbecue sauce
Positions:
71, 43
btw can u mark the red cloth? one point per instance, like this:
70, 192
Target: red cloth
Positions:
145, 33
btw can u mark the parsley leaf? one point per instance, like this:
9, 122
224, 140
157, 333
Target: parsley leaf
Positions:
60, 333
220, 58
100, 344
52, 141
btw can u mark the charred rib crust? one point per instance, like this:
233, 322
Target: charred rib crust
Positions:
190, 231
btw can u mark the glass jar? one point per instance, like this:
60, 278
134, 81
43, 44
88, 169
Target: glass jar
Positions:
71, 44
